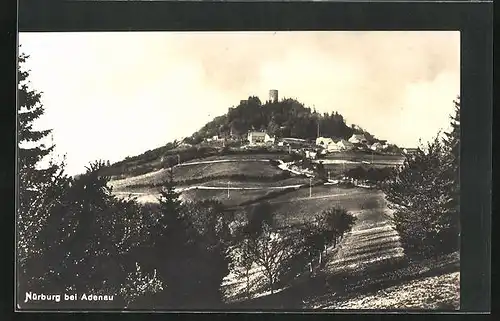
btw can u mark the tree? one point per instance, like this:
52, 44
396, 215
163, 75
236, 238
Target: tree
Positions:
171, 245
424, 195
244, 261
334, 223
258, 216
40, 187
452, 143
89, 240
263, 243
269, 251
314, 242
321, 171
212, 236
190, 250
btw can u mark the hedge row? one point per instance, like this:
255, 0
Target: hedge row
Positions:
370, 174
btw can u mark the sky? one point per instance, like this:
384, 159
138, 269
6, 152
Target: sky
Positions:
112, 95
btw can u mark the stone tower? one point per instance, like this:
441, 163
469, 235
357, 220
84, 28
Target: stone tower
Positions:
273, 95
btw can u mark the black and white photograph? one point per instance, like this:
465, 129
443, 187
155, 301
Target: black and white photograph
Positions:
238, 171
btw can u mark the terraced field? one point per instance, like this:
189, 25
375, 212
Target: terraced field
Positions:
372, 239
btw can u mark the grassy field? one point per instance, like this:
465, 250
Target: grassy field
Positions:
149, 195
197, 171
251, 168
239, 157
297, 206
234, 199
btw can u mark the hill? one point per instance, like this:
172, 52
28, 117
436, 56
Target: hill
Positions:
285, 118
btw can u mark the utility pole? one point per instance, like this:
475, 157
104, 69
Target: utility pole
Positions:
178, 159
328, 175
227, 189
310, 187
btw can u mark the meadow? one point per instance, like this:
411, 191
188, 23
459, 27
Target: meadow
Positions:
194, 171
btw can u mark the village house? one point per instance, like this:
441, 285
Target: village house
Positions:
324, 141
345, 145
333, 147
184, 145
311, 154
376, 146
257, 138
294, 142
215, 138
358, 139
410, 150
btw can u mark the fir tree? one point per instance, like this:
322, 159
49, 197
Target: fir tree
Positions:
425, 196
451, 175
40, 187
452, 142
169, 198
172, 245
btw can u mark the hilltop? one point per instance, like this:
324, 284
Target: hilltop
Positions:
285, 118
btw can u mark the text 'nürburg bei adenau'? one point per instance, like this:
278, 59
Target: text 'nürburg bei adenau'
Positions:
30, 296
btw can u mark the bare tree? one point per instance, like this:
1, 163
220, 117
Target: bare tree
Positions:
245, 262
270, 250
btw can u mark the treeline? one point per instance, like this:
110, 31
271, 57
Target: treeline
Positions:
286, 118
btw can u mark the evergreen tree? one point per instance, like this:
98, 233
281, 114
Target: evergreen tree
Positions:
169, 198
421, 194
171, 246
40, 187
211, 257
451, 175
452, 142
